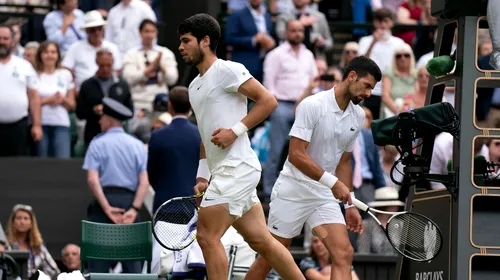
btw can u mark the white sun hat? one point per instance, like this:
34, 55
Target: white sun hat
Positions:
93, 19
386, 196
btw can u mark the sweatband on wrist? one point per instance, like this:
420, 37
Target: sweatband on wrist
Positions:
239, 129
347, 206
328, 179
203, 171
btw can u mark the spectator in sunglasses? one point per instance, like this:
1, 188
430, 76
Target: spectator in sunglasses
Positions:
351, 50
23, 234
399, 81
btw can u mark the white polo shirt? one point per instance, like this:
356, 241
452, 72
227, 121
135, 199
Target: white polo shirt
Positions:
80, 57
217, 104
17, 76
330, 133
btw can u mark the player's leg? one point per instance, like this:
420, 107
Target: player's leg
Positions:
213, 221
260, 267
252, 227
328, 224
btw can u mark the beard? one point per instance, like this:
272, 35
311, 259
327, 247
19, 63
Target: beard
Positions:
197, 58
5, 51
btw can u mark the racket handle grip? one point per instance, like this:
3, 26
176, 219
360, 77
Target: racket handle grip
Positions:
360, 205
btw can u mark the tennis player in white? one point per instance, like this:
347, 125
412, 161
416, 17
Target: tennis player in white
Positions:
218, 96
322, 138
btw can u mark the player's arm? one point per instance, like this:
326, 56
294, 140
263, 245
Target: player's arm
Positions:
265, 102
203, 175
344, 170
306, 119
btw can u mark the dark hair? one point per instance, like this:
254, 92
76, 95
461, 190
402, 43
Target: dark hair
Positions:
8, 26
363, 66
43, 47
146, 22
200, 26
179, 98
383, 13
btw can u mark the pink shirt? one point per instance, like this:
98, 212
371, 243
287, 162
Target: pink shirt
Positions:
287, 73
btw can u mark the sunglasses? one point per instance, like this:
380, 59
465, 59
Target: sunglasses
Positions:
22, 207
399, 56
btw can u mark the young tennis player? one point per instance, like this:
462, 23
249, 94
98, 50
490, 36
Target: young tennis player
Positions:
218, 96
322, 138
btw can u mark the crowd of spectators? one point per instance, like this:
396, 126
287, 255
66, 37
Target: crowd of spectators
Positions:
52, 90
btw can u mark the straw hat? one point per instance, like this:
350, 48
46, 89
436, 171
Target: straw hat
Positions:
93, 19
386, 196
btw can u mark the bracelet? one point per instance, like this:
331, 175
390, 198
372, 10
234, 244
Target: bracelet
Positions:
347, 206
203, 171
328, 179
136, 209
239, 129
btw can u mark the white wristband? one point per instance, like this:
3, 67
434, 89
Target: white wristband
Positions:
239, 129
347, 206
203, 171
328, 179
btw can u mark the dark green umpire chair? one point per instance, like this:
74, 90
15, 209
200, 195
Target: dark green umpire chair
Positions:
112, 242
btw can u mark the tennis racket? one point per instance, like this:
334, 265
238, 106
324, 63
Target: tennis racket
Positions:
413, 235
175, 222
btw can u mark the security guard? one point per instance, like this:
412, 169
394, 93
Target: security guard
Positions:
117, 176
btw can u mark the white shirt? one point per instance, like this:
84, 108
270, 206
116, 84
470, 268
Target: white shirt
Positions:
60, 81
441, 154
134, 64
80, 57
382, 53
330, 132
18, 76
217, 104
123, 24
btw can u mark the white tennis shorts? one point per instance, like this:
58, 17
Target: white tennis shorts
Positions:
234, 186
287, 216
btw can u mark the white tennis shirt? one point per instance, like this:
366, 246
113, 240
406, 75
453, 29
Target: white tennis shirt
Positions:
217, 103
330, 132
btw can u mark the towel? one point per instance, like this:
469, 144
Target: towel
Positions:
189, 262
75, 275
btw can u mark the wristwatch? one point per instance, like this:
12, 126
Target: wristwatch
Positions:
136, 209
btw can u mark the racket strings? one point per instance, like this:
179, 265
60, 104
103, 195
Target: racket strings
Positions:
414, 236
175, 224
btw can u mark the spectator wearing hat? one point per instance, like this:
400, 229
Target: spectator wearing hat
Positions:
64, 25
174, 153
116, 165
149, 70
373, 240
81, 56
105, 83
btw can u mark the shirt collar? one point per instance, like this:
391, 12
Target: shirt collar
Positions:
256, 13
288, 47
335, 107
179, 117
116, 129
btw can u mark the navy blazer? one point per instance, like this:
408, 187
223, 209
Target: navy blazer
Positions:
240, 29
373, 158
174, 153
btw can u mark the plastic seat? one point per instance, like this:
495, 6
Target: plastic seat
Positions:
112, 242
